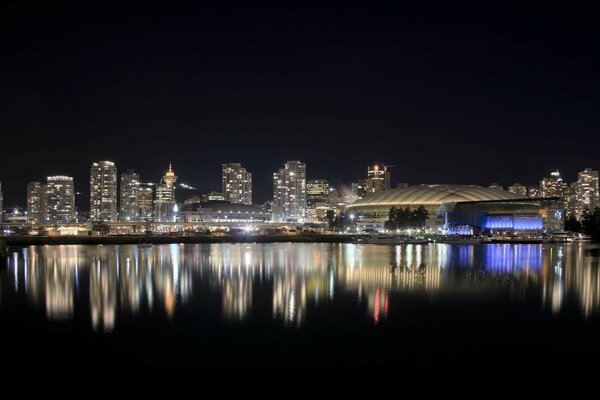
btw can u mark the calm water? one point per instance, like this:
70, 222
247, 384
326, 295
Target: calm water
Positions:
299, 309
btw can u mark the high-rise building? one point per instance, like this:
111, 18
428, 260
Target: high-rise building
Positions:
317, 199
165, 205
378, 180
496, 186
236, 183
289, 192
587, 196
36, 203
129, 209
569, 200
553, 185
146, 202
60, 200
103, 191
518, 189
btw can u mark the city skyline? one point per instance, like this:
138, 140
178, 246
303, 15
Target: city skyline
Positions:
455, 94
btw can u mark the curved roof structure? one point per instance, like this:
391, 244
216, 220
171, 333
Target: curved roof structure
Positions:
433, 195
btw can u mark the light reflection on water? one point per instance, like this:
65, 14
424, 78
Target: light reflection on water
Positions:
106, 283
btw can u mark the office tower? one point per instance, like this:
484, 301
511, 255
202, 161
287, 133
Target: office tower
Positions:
146, 202
496, 186
553, 185
378, 180
103, 191
60, 200
289, 192
36, 202
165, 205
569, 200
317, 191
586, 193
518, 189
236, 183
317, 199
129, 208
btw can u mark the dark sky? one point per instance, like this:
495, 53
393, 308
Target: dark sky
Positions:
448, 94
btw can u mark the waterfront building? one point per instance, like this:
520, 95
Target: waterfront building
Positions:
103, 191
236, 184
289, 193
129, 209
518, 189
224, 211
465, 208
587, 194
36, 202
165, 205
60, 200
146, 202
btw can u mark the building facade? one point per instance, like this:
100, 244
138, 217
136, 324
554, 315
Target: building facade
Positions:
318, 196
129, 208
518, 189
36, 202
552, 186
378, 180
289, 193
103, 191
236, 184
60, 200
534, 191
146, 202
165, 205
586, 193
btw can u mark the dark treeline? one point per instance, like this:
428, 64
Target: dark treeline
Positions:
590, 225
405, 218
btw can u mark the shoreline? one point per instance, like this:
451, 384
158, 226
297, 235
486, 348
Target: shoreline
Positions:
115, 240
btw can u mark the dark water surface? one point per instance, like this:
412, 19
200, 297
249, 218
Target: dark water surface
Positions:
299, 309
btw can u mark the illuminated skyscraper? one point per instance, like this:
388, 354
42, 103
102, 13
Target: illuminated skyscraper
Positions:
378, 180
103, 191
129, 202
289, 192
146, 202
587, 194
518, 189
36, 202
60, 200
317, 199
165, 205
237, 183
553, 185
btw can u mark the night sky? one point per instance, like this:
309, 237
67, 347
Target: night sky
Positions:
448, 94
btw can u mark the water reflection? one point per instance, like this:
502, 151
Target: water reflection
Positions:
105, 283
